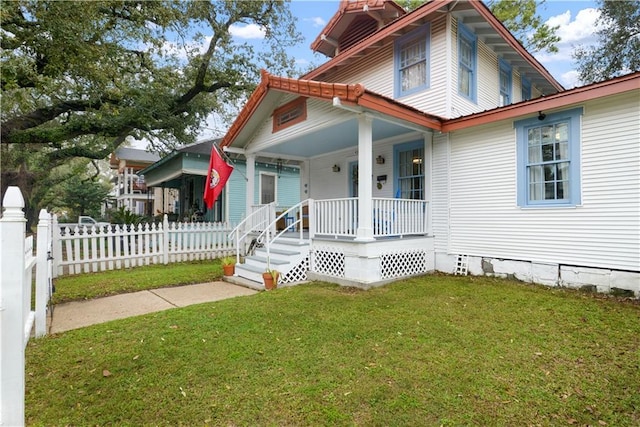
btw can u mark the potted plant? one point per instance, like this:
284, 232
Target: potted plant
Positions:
228, 265
270, 278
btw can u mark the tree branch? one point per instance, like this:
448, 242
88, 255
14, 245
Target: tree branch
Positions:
46, 114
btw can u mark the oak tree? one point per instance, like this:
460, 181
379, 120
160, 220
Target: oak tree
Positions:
78, 78
617, 50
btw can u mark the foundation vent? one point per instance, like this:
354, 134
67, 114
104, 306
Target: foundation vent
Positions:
462, 265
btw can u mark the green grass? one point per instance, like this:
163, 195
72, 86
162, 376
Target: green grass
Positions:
435, 350
94, 285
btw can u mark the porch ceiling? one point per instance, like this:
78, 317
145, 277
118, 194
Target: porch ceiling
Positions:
334, 138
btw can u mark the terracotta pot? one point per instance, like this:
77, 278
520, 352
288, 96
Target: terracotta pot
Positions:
229, 270
269, 283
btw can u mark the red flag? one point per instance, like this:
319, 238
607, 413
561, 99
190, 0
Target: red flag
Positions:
217, 176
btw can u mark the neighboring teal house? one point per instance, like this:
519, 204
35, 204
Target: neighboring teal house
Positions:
185, 169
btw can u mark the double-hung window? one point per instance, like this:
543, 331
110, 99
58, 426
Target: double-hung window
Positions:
504, 70
412, 62
409, 162
549, 159
467, 46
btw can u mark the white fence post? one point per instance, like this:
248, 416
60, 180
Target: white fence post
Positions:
42, 271
12, 266
56, 246
165, 239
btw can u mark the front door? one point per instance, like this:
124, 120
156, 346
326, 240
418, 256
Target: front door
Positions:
267, 188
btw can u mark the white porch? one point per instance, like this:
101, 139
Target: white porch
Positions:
365, 182
319, 240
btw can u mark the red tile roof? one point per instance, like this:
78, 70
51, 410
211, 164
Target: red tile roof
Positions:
357, 95
349, 94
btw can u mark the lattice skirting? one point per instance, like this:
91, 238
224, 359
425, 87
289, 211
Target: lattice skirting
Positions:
328, 261
405, 263
297, 274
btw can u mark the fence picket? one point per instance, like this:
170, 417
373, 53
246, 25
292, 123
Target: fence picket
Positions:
125, 246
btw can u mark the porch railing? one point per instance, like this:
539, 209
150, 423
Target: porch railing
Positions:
336, 217
391, 217
294, 219
259, 220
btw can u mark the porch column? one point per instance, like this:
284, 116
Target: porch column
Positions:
365, 185
251, 178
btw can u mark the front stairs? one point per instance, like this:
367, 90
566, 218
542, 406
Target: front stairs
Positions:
288, 255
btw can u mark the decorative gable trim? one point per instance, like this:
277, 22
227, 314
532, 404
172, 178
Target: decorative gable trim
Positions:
418, 16
290, 113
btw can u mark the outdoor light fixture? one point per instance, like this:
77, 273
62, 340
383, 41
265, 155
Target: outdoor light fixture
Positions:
336, 168
279, 166
541, 115
380, 160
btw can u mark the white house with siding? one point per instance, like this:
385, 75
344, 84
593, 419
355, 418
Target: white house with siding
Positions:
433, 141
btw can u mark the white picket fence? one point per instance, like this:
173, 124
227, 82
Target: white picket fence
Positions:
16, 315
91, 249
65, 251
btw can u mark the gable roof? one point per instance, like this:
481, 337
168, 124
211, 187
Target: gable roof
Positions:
353, 21
199, 147
346, 94
357, 95
473, 13
133, 157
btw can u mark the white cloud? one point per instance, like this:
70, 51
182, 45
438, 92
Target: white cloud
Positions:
251, 31
317, 21
570, 79
580, 31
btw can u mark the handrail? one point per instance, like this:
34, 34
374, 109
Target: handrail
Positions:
267, 231
252, 216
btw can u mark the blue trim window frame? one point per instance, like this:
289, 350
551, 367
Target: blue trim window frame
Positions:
408, 171
504, 72
526, 88
467, 62
411, 60
549, 160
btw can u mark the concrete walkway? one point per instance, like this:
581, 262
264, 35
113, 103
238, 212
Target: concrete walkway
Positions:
78, 314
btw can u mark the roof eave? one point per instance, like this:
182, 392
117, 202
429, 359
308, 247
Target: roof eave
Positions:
557, 100
394, 26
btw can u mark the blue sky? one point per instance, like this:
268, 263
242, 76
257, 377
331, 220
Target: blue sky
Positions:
576, 19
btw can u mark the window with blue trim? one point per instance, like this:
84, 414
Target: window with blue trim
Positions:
412, 62
409, 170
549, 159
505, 83
467, 62
526, 88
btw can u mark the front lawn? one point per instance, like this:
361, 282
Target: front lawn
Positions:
435, 350
105, 283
